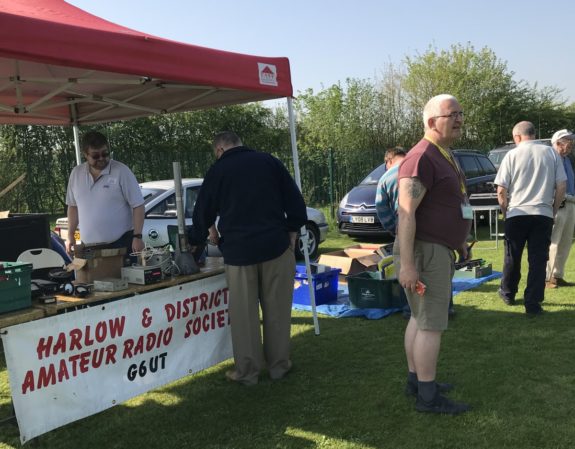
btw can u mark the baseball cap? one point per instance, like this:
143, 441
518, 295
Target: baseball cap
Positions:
561, 134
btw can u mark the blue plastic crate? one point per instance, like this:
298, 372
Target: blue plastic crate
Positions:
324, 285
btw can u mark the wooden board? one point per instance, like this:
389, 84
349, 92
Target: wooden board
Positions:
213, 266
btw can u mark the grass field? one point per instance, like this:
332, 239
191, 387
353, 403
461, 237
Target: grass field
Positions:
346, 390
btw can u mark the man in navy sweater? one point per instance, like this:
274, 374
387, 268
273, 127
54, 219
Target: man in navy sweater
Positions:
260, 210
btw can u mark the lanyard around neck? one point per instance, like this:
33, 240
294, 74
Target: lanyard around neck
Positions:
452, 162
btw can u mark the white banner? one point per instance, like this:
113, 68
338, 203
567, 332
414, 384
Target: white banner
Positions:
73, 365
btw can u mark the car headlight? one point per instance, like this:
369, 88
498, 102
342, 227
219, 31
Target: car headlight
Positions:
343, 201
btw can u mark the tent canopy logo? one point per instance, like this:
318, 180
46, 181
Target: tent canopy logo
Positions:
268, 74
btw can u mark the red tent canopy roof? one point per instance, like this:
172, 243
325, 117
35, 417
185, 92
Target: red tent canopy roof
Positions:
55, 57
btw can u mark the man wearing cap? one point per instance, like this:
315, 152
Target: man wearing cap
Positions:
562, 235
531, 185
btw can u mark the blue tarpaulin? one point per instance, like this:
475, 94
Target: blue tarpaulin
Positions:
341, 308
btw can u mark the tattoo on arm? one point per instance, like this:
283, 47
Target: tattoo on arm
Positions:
415, 188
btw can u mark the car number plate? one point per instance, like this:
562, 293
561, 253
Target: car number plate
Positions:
362, 219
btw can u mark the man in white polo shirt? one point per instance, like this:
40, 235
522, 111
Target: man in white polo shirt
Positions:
105, 198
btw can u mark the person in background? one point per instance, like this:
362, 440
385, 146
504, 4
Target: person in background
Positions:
386, 197
260, 211
387, 191
562, 234
105, 197
434, 221
531, 185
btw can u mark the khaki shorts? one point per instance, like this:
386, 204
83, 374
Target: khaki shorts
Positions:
434, 262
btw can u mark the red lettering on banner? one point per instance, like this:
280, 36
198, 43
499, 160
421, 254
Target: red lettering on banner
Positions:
28, 384
203, 301
46, 376
77, 338
147, 342
180, 310
209, 321
101, 331
60, 346
73, 359
63, 369
146, 318
111, 354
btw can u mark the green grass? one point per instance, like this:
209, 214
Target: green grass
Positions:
346, 391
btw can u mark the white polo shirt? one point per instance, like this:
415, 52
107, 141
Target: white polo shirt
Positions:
105, 206
530, 173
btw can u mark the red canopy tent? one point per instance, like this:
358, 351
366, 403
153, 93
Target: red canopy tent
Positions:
60, 65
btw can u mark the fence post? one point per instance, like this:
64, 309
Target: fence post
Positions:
330, 169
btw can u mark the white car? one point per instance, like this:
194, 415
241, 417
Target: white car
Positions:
160, 206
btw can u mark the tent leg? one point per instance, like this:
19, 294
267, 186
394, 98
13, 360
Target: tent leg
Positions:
76, 130
303, 230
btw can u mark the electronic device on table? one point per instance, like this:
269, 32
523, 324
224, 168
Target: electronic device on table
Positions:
142, 274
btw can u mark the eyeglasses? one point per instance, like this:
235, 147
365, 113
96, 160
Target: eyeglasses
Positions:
453, 115
102, 155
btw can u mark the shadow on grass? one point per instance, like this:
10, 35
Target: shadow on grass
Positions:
346, 391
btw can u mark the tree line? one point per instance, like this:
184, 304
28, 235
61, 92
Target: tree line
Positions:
343, 130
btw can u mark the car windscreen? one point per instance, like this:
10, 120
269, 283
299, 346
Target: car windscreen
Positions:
497, 156
373, 177
150, 194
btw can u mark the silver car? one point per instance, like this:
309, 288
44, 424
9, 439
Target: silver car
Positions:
160, 207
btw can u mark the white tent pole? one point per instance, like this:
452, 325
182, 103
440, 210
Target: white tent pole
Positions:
303, 231
76, 130
77, 144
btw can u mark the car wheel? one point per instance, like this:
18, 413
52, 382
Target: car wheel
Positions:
312, 243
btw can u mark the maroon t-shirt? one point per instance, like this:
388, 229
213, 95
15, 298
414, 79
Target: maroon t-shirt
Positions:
438, 216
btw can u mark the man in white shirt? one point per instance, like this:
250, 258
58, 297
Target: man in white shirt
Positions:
105, 198
530, 187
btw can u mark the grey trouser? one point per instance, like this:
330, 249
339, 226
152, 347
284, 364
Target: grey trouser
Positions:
269, 285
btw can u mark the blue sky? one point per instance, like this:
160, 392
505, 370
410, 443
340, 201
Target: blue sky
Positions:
329, 41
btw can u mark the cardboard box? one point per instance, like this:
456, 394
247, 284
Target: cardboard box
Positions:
98, 263
367, 246
351, 261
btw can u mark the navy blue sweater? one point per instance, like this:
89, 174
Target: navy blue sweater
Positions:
257, 201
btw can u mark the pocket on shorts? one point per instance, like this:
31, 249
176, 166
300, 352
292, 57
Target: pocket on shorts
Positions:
424, 254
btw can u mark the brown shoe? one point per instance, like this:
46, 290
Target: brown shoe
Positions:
281, 376
562, 282
233, 376
550, 284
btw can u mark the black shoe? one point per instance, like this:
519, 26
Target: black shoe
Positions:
506, 300
441, 404
534, 313
411, 389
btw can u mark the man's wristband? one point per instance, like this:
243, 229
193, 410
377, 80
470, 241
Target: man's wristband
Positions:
137, 236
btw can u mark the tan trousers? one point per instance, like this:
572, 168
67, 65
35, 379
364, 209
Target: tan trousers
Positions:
561, 240
269, 285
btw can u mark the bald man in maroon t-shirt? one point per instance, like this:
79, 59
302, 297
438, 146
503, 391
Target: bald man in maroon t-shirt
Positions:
434, 221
